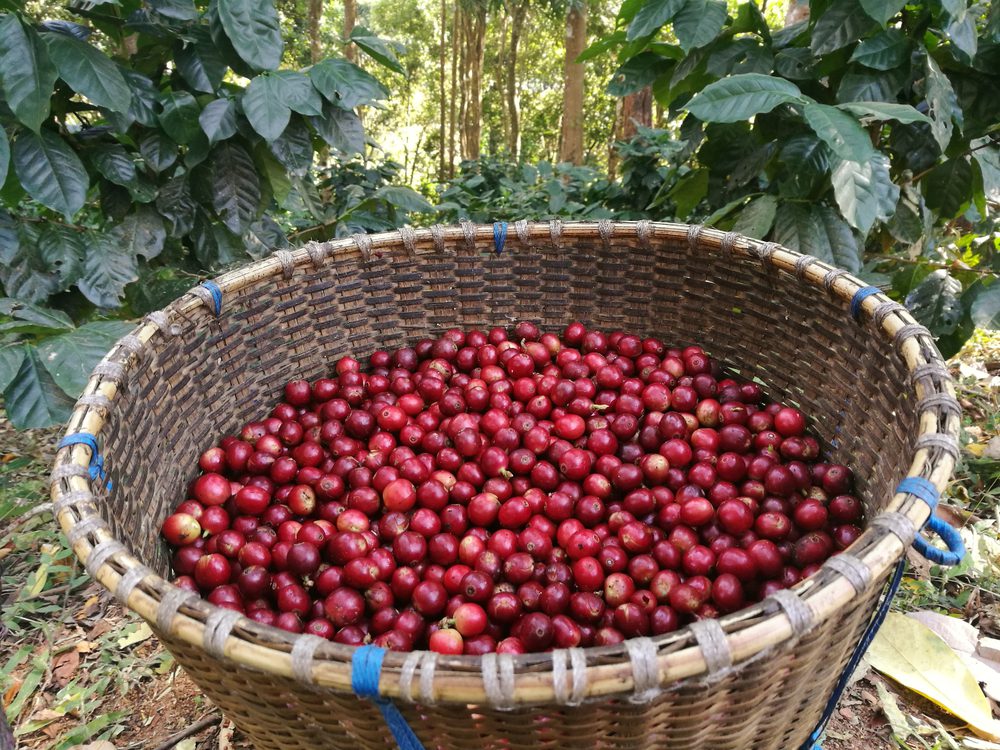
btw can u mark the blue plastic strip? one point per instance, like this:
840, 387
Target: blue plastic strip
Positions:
97, 470
499, 235
922, 488
949, 535
366, 666
860, 296
216, 295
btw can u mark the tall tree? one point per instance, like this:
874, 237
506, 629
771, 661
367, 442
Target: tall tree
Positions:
571, 138
443, 155
518, 10
350, 19
633, 111
455, 43
500, 63
315, 16
474, 17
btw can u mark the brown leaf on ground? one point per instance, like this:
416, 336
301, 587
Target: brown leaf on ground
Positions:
65, 667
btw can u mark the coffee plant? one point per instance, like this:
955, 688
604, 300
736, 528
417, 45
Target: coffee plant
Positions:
866, 136
143, 143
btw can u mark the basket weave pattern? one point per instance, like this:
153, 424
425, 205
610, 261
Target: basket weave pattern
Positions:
876, 389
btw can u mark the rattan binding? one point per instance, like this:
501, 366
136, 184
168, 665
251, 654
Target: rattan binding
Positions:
877, 392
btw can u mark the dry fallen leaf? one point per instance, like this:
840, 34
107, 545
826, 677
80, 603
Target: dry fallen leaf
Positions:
226, 735
993, 448
99, 745
958, 634
140, 634
915, 656
65, 667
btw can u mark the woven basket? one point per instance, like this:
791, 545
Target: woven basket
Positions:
878, 392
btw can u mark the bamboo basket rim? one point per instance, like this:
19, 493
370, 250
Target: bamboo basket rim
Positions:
749, 633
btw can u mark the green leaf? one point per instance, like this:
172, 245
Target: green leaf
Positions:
179, 118
699, 22
24, 276
114, 163
51, 172
89, 72
805, 158
602, 46
884, 111
936, 302
252, 26
72, 356
796, 63
265, 107
298, 92
864, 191
294, 148
378, 49
142, 108
33, 399
961, 32
863, 85
651, 16
214, 245
176, 205
884, 51
345, 84
689, 191
11, 357
26, 71
61, 250
405, 198
942, 103
10, 242
636, 73
948, 188
107, 268
341, 128
986, 308
140, 233
179, 10
840, 24
44, 319
817, 231
4, 155
757, 218
264, 237
235, 186
742, 96
218, 120
200, 62
882, 11
841, 132
158, 151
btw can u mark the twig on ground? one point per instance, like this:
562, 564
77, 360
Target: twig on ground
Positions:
198, 726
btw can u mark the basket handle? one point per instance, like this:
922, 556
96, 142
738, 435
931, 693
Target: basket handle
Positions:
924, 490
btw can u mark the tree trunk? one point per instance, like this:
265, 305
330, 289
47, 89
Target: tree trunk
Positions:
571, 140
499, 69
797, 11
519, 12
463, 82
472, 67
315, 15
443, 151
637, 109
630, 112
350, 18
455, 42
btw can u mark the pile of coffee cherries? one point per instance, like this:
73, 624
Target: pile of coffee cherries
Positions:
511, 491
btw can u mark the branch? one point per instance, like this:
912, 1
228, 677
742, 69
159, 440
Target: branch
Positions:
917, 177
198, 726
930, 264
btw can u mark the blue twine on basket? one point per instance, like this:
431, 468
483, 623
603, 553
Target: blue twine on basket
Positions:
499, 235
923, 489
860, 296
366, 666
216, 295
97, 470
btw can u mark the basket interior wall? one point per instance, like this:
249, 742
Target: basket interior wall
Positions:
192, 388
